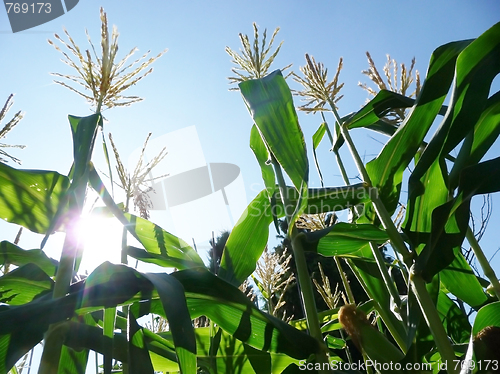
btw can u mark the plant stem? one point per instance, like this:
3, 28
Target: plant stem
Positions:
109, 316
124, 260
385, 275
345, 282
483, 261
306, 289
434, 322
426, 305
397, 241
383, 312
303, 277
54, 337
385, 218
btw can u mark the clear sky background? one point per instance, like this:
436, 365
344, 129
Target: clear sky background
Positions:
189, 85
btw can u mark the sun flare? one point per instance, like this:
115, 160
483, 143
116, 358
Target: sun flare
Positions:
102, 240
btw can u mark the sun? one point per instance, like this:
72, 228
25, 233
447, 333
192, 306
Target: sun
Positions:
101, 236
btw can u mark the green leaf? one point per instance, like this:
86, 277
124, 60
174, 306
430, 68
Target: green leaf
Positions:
488, 315
168, 248
229, 308
24, 284
12, 254
84, 131
172, 296
31, 198
377, 108
161, 247
139, 360
73, 360
88, 336
386, 170
455, 322
262, 155
22, 327
110, 285
450, 220
247, 241
335, 343
223, 353
368, 275
317, 138
485, 336
480, 140
460, 280
249, 236
271, 105
418, 221
162, 351
347, 238
476, 67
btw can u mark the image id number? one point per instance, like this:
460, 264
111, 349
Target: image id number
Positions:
29, 8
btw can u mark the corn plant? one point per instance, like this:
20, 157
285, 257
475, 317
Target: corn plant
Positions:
4, 156
438, 207
44, 299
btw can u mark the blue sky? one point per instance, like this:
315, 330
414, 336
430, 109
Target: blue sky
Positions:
189, 85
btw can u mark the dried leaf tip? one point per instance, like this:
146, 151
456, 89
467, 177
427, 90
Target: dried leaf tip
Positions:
101, 75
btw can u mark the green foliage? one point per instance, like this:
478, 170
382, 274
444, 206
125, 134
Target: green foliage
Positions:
426, 321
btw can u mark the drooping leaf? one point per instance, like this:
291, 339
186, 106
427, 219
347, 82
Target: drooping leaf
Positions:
168, 248
74, 357
88, 336
30, 198
110, 285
